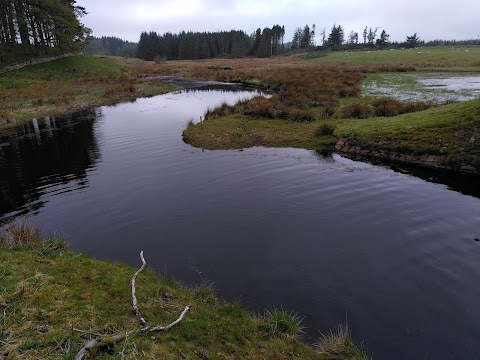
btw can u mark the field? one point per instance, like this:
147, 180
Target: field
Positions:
465, 57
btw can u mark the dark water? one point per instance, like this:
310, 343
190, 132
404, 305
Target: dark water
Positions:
322, 235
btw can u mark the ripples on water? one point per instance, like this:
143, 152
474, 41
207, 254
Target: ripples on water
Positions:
319, 234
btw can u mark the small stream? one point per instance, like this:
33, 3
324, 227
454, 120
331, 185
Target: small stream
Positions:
392, 249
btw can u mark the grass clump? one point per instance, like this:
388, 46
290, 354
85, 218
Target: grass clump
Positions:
282, 324
20, 233
355, 111
325, 129
338, 345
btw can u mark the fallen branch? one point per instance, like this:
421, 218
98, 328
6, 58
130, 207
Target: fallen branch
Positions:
92, 347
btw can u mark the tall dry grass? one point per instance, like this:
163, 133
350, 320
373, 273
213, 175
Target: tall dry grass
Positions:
20, 233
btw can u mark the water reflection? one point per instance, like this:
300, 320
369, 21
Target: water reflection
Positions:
45, 156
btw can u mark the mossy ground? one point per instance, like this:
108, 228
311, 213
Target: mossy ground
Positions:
53, 300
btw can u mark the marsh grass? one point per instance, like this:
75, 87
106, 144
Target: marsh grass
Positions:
325, 129
20, 233
339, 345
283, 324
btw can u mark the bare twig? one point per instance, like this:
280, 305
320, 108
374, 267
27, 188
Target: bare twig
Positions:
134, 297
92, 347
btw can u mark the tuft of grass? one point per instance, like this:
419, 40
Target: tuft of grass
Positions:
20, 233
355, 110
325, 129
283, 324
339, 345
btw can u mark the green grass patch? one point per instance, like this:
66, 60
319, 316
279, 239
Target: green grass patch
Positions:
452, 130
464, 56
65, 69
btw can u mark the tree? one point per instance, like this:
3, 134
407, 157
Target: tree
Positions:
353, 38
43, 26
323, 36
365, 32
297, 38
336, 37
412, 41
383, 41
372, 34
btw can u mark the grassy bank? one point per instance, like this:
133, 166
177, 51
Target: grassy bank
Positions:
67, 85
452, 130
53, 300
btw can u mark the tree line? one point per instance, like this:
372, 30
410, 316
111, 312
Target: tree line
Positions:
45, 26
369, 38
110, 45
205, 45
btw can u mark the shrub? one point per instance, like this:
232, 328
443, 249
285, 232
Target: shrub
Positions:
282, 324
325, 130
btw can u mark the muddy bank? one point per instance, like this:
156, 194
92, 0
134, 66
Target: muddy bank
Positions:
352, 149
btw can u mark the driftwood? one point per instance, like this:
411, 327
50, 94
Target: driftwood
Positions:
92, 347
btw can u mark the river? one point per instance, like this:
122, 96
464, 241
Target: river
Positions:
336, 240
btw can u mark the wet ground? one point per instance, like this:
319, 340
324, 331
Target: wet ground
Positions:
437, 87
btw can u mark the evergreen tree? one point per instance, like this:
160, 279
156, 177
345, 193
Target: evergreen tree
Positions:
336, 37
412, 41
383, 41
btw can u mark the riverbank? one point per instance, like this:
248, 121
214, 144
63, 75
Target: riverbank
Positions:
64, 86
54, 300
446, 137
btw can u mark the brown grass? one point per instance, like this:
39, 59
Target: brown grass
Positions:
325, 129
20, 233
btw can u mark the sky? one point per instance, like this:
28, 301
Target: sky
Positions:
430, 19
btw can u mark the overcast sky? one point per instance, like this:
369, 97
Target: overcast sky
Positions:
430, 19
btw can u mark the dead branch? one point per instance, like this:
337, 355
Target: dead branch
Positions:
134, 297
92, 347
